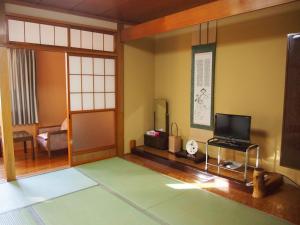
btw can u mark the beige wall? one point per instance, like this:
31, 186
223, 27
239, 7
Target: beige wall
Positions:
51, 87
138, 89
250, 72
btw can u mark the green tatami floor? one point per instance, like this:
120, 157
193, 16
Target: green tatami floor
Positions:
113, 192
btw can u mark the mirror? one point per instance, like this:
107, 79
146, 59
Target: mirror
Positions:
161, 115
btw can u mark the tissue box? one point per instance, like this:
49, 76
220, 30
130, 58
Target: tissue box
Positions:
160, 142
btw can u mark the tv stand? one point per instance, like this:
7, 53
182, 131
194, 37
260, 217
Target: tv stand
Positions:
236, 146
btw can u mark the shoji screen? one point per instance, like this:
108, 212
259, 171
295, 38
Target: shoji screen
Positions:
92, 94
37, 33
93, 130
92, 40
91, 83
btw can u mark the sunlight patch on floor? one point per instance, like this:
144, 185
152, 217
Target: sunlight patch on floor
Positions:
216, 183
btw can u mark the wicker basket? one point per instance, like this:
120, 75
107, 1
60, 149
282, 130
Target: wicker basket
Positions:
174, 140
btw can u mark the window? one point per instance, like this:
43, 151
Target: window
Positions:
91, 83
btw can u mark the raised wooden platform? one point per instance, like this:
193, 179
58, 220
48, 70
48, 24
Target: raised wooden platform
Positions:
284, 202
187, 165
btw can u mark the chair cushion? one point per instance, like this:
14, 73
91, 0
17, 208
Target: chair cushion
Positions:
43, 135
64, 125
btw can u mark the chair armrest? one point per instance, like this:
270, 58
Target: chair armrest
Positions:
48, 129
57, 140
51, 133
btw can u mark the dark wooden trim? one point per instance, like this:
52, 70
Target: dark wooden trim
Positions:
91, 150
120, 93
92, 111
108, 153
3, 25
214, 10
290, 154
41, 47
187, 168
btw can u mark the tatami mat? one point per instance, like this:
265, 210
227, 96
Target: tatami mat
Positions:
139, 184
24, 192
197, 207
158, 194
17, 217
90, 207
118, 192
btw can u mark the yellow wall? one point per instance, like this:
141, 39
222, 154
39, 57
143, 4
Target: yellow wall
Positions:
138, 89
249, 79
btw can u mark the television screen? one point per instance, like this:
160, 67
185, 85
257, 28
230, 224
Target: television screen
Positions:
233, 127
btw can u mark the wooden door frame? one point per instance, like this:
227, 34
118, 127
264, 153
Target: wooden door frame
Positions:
119, 120
70, 113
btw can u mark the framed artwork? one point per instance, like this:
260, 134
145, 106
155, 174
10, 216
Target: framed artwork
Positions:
202, 86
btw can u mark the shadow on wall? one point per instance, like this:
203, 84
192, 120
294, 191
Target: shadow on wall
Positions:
245, 23
267, 26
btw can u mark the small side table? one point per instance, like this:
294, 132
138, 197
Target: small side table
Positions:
241, 147
21, 136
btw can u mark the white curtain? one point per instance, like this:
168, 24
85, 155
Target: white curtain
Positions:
23, 86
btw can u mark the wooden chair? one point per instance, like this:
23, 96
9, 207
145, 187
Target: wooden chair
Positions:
51, 139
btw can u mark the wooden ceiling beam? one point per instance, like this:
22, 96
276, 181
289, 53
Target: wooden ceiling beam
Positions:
211, 11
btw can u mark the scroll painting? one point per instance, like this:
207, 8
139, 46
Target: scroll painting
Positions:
202, 94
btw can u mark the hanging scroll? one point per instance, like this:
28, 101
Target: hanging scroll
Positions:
202, 96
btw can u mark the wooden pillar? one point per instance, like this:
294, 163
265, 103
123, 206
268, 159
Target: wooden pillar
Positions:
6, 120
5, 103
120, 93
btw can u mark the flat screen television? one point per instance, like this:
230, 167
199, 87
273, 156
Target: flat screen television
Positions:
232, 127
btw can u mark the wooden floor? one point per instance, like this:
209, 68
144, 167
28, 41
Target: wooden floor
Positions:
26, 166
238, 176
284, 203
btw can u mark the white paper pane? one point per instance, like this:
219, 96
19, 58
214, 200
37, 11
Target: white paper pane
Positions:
108, 42
109, 67
99, 101
98, 41
74, 65
87, 83
75, 102
110, 100
98, 83
75, 38
75, 83
47, 34
109, 84
86, 39
87, 65
61, 36
32, 33
98, 66
87, 101
16, 30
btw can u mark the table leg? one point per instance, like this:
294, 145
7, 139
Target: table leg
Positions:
219, 158
1, 150
33, 151
246, 165
206, 155
257, 157
25, 146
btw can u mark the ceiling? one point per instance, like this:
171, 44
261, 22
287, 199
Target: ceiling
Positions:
131, 11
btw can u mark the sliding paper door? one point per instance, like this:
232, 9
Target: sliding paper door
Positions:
92, 103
